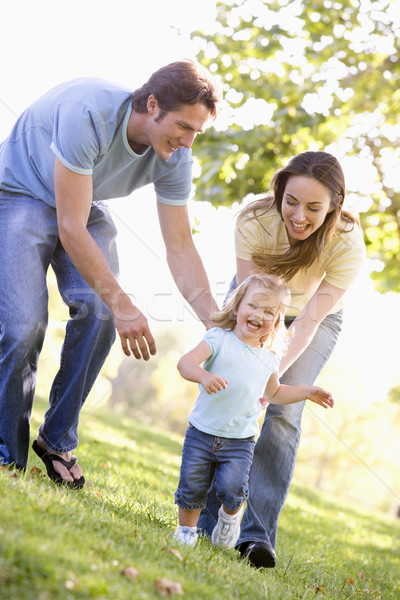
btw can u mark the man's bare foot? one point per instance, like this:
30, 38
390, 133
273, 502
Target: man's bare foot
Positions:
67, 474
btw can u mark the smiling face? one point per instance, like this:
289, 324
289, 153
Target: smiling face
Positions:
256, 315
169, 131
305, 204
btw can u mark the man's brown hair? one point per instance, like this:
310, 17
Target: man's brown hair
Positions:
181, 82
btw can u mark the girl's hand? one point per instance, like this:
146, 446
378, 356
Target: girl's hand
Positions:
320, 396
264, 403
213, 383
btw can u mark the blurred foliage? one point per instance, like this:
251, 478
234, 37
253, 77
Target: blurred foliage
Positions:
394, 394
352, 450
310, 75
153, 392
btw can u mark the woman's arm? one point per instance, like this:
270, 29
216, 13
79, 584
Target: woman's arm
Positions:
188, 367
276, 393
244, 268
307, 321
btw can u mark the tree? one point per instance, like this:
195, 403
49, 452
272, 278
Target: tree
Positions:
305, 75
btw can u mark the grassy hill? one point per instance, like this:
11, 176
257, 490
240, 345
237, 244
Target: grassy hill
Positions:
113, 539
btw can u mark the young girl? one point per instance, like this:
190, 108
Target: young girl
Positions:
240, 366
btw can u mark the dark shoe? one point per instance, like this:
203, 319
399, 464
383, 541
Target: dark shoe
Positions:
48, 457
259, 554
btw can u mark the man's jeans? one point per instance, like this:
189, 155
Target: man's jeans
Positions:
210, 459
276, 448
29, 243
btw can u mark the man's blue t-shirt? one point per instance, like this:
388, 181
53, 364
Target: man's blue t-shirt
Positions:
83, 123
233, 412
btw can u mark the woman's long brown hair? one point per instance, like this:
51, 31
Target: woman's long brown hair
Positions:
324, 168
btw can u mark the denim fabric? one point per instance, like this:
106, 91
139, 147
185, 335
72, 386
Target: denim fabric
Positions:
276, 448
207, 458
29, 243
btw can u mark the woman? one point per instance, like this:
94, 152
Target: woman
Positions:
301, 233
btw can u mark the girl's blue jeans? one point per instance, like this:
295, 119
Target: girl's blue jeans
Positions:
29, 243
208, 459
276, 448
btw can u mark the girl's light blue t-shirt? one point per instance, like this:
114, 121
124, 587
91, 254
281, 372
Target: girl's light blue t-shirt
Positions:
83, 123
233, 412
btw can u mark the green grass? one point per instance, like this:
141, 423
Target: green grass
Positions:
57, 543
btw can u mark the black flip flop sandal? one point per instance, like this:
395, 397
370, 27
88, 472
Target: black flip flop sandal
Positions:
48, 457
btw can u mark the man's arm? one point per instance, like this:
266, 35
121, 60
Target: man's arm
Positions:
73, 200
184, 261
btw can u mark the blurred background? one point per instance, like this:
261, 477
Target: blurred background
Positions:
296, 75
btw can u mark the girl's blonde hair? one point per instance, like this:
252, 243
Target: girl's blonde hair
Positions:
326, 169
276, 286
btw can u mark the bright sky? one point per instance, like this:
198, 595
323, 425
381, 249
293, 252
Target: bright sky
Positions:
45, 42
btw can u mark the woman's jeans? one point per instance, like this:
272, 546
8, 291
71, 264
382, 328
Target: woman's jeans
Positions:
207, 459
29, 243
276, 448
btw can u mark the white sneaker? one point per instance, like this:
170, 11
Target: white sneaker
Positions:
186, 535
226, 532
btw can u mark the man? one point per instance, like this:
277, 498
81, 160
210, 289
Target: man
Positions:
85, 141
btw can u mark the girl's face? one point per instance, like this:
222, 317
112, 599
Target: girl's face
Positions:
256, 316
305, 204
